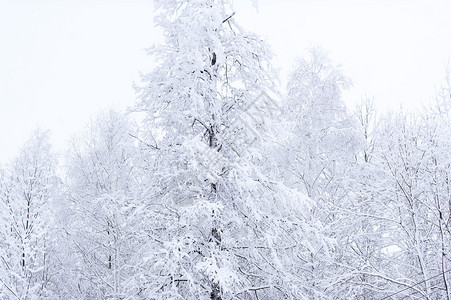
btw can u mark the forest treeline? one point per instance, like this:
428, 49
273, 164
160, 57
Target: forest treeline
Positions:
230, 189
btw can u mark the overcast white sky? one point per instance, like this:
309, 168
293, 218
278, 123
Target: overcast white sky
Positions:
61, 61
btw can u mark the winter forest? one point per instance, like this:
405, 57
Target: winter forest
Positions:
218, 185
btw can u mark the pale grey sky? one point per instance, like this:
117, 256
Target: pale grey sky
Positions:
61, 61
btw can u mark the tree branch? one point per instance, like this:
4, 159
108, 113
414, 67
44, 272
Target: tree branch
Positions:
228, 18
148, 145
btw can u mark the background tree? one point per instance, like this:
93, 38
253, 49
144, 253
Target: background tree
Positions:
101, 182
405, 209
26, 190
324, 137
319, 154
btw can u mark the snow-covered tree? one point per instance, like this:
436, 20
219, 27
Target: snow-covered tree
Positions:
406, 209
317, 158
99, 226
26, 190
219, 227
324, 137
